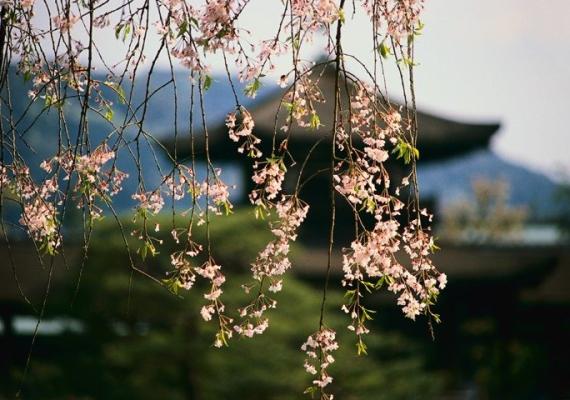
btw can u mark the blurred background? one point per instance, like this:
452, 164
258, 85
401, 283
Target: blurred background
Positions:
494, 168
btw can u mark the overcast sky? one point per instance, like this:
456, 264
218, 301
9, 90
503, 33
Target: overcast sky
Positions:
506, 60
482, 60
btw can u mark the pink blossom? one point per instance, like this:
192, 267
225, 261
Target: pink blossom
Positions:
64, 23
151, 201
318, 348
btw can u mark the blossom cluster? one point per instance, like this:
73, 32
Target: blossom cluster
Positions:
212, 272
273, 261
315, 14
39, 214
149, 201
373, 259
318, 350
185, 277
209, 26
40, 201
92, 181
182, 181
271, 264
360, 182
269, 177
398, 18
240, 126
301, 101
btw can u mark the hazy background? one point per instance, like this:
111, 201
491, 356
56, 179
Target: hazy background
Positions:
479, 60
506, 311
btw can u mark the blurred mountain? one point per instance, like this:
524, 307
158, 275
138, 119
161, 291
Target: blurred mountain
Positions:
451, 180
35, 123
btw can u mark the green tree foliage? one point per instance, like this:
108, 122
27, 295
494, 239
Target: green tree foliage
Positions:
140, 341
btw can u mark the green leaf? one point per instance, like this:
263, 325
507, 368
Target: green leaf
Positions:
172, 284
121, 93
297, 42
361, 347
420, 27
252, 88
315, 122
370, 205
221, 336
227, 208
118, 29
194, 22
126, 32
260, 212
406, 151
384, 50
380, 283
434, 247
311, 390
109, 114
182, 28
207, 82
341, 16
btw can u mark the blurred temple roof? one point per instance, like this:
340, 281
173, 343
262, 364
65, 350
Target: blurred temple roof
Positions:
438, 137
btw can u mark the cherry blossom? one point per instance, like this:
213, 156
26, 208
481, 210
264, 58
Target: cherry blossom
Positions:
369, 135
318, 349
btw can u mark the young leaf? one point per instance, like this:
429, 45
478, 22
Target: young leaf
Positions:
315, 122
207, 82
384, 50
252, 88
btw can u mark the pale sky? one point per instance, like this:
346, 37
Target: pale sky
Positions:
480, 60
508, 60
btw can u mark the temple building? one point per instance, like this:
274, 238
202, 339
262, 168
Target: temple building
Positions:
497, 285
439, 139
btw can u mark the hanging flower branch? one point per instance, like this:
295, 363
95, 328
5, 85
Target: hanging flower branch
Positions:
56, 47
